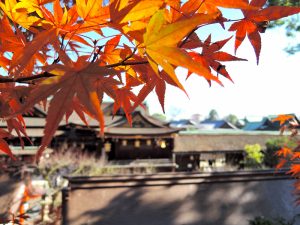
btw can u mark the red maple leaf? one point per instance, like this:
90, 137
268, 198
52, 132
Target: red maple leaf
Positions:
5, 148
153, 82
256, 21
78, 80
211, 55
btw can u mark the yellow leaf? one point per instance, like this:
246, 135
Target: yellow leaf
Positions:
161, 45
154, 26
135, 25
29, 6
93, 14
173, 33
143, 9
88, 9
161, 60
179, 57
21, 17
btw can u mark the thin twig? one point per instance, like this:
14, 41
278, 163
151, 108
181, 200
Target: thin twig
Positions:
25, 79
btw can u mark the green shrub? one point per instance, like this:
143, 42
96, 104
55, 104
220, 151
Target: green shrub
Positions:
254, 157
260, 220
272, 146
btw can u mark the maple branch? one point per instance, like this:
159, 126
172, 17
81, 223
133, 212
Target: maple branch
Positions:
25, 79
47, 74
96, 53
130, 63
132, 54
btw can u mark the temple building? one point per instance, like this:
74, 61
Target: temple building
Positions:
218, 149
147, 142
146, 138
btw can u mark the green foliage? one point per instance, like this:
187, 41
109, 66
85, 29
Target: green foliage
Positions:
254, 157
284, 2
159, 116
213, 115
260, 220
232, 119
293, 49
291, 25
272, 146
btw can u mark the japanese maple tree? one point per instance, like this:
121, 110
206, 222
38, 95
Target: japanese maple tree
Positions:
72, 55
289, 154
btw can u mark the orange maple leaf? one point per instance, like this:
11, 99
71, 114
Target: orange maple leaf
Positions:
211, 6
296, 155
281, 164
111, 53
284, 152
21, 60
93, 13
283, 118
295, 170
15, 42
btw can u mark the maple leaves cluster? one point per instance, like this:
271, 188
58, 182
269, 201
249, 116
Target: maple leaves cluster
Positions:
75, 54
289, 153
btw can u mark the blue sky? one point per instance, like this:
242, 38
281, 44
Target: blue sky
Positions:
258, 90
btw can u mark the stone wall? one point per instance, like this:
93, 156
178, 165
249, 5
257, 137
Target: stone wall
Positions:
179, 199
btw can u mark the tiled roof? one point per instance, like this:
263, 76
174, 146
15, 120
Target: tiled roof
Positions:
219, 142
36, 132
264, 124
31, 122
124, 131
219, 124
138, 115
114, 125
252, 125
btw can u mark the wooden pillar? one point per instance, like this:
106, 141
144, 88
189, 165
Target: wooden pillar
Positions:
65, 206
